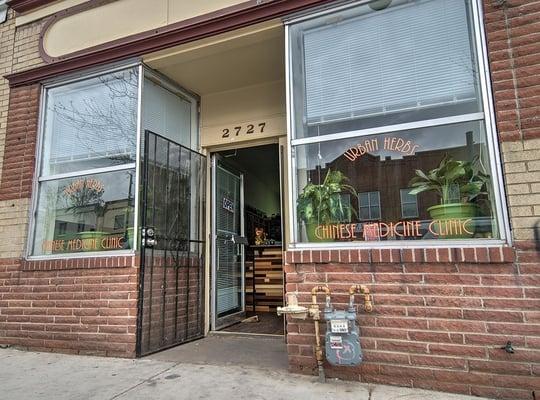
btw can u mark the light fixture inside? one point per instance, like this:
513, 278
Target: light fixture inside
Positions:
378, 5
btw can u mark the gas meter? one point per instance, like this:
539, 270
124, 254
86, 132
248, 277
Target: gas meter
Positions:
342, 338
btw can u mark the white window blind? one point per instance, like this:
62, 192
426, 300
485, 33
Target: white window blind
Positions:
411, 55
166, 114
92, 119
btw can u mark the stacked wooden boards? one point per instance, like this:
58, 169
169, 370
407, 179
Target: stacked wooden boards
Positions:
264, 279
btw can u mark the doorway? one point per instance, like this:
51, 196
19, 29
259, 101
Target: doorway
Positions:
247, 262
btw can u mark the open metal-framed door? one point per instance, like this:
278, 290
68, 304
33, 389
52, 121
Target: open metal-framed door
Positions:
172, 272
228, 241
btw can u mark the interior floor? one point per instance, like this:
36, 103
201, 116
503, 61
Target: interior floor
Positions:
230, 348
266, 323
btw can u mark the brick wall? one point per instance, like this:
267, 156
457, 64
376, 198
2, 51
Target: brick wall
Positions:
439, 321
21, 135
513, 33
79, 306
18, 130
7, 35
26, 51
13, 227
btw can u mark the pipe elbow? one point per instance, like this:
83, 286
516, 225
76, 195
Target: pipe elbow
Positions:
320, 289
358, 289
364, 290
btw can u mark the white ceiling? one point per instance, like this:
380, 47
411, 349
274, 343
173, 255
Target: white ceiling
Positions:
242, 58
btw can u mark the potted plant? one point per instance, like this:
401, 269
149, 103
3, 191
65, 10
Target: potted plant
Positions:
457, 184
321, 204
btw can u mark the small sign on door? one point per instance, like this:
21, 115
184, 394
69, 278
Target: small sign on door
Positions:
228, 204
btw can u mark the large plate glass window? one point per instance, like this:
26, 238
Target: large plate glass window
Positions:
86, 193
387, 107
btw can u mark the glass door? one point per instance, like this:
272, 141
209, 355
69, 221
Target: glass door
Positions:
228, 241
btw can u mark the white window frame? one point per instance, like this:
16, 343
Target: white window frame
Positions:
124, 167
408, 202
369, 206
487, 116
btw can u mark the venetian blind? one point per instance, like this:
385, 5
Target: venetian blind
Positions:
166, 114
91, 124
405, 57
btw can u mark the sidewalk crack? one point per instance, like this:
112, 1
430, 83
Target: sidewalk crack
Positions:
149, 379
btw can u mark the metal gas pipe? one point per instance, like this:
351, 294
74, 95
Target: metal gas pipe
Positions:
368, 305
342, 339
315, 313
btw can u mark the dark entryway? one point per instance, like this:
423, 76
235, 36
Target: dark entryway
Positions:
247, 260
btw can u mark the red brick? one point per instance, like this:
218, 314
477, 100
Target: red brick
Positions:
435, 312
519, 304
457, 326
401, 346
385, 357
513, 329
458, 350
436, 337
484, 315
499, 367
442, 362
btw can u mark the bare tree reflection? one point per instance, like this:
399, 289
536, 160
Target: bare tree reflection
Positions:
105, 123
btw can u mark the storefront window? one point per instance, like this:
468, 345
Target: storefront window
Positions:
388, 110
87, 180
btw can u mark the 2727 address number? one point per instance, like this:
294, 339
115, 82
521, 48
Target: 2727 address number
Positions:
247, 130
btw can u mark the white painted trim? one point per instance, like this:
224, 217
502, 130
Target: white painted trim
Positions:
86, 172
491, 128
391, 128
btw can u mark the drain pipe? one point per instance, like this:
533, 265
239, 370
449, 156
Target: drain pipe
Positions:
315, 313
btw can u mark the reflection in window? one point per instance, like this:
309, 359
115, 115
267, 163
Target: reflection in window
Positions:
399, 88
91, 124
446, 160
409, 205
89, 213
90, 139
369, 205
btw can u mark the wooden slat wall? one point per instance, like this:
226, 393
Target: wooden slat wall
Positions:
268, 265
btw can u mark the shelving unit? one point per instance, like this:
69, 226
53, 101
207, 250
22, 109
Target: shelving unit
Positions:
264, 278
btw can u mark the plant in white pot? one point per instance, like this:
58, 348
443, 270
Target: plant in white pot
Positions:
457, 183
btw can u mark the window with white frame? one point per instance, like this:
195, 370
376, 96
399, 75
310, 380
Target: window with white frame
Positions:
86, 192
409, 205
369, 206
387, 98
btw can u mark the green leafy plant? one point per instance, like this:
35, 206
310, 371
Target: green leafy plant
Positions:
321, 204
454, 181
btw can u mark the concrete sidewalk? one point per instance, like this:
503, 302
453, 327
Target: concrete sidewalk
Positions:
30, 375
